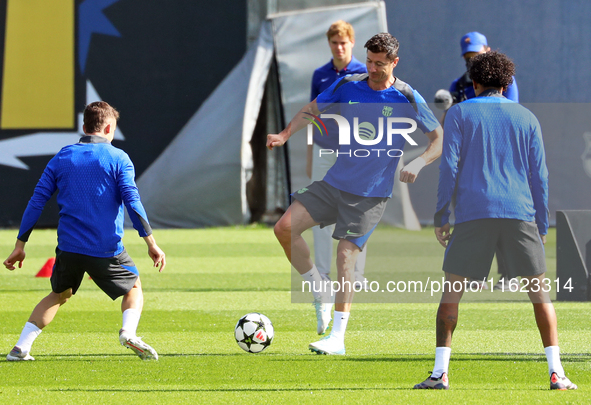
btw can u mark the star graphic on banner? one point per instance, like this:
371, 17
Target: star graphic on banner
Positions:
92, 20
45, 143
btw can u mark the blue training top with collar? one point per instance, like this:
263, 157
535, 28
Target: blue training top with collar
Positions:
94, 180
372, 175
494, 160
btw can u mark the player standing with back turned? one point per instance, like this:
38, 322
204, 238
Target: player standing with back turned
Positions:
93, 180
494, 161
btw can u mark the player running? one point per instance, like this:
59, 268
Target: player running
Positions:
93, 180
354, 192
494, 161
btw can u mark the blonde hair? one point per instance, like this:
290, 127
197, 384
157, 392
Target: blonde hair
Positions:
341, 28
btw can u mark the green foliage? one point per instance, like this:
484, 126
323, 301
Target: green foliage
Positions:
214, 276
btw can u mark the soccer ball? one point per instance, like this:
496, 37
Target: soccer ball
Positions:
254, 332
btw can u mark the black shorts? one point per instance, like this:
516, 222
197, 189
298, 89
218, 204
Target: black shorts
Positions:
355, 216
472, 246
114, 275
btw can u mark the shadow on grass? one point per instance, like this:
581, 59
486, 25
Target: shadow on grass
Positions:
227, 389
306, 357
512, 357
120, 356
307, 389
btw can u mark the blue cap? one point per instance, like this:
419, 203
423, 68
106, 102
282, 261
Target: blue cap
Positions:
472, 42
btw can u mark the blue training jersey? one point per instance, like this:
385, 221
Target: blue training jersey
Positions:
369, 170
493, 156
93, 180
322, 79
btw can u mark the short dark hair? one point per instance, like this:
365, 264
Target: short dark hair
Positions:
96, 114
492, 69
383, 42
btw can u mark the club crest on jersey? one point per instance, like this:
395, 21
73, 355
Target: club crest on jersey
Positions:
387, 111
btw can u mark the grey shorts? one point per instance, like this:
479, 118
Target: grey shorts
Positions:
472, 246
114, 275
355, 216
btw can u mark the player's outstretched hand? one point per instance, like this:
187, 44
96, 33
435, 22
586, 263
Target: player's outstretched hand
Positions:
17, 255
443, 234
409, 173
274, 140
158, 256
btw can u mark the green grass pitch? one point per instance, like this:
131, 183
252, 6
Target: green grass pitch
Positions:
214, 276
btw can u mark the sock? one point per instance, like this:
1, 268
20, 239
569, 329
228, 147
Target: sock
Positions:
554, 364
28, 336
340, 324
131, 318
442, 355
317, 285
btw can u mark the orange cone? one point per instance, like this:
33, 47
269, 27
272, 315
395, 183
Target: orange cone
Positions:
47, 268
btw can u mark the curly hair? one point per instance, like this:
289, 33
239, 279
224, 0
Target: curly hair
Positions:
492, 69
383, 42
96, 114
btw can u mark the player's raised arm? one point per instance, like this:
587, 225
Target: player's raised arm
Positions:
298, 122
410, 172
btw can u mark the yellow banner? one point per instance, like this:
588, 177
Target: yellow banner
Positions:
38, 77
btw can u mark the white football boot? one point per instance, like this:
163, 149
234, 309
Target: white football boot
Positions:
561, 383
16, 354
432, 383
139, 347
328, 345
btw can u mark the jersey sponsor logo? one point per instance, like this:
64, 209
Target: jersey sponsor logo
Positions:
367, 131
